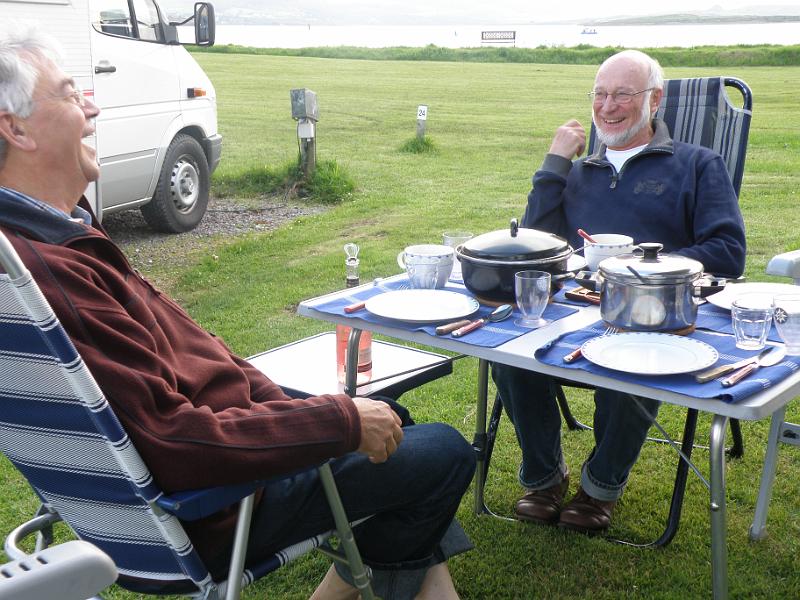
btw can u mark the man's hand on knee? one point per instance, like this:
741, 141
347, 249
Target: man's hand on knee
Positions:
381, 432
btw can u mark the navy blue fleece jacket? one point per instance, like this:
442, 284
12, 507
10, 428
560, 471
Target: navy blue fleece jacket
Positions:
677, 194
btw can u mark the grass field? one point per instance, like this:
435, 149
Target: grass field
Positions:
491, 124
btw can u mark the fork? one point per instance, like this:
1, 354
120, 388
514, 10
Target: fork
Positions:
576, 354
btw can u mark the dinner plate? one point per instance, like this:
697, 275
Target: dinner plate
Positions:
729, 293
422, 306
576, 263
645, 353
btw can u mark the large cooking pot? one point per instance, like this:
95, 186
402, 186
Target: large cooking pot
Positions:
650, 291
489, 261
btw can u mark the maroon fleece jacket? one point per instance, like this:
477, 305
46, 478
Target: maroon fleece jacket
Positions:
198, 414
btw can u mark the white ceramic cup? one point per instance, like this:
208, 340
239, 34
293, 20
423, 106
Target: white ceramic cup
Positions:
606, 245
428, 265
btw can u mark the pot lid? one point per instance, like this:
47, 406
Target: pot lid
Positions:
646, 265
516, 244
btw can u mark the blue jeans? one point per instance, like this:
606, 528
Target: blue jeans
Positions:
413, 497
620, 429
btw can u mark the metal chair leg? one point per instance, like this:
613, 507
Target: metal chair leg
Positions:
678, 490
572, 423
737, 447
491, 433
345, 533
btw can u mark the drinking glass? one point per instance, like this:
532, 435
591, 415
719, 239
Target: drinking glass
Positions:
455, 239
532, 289
751, 317
786, 313
423, 273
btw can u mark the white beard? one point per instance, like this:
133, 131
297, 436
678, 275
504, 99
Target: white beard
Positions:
614, 140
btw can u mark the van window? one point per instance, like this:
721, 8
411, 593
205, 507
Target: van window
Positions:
115, 17
148, 20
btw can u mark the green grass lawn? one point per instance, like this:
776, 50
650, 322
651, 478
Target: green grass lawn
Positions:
491, 125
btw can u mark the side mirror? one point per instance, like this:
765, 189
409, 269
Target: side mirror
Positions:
204, 24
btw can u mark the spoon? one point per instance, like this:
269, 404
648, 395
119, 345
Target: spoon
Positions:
498, 314
586, 236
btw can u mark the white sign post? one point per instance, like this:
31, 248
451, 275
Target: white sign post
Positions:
422, 116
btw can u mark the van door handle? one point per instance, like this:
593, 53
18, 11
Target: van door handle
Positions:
105, 69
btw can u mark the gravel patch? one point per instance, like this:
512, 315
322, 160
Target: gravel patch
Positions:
225, 219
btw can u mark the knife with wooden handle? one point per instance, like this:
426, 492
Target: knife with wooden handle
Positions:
572, 356
710, 374
449, 327
764, 360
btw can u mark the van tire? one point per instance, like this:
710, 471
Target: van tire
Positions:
182, 192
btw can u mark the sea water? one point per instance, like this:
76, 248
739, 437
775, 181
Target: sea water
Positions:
527, 36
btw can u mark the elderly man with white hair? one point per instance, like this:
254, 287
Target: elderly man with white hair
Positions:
638, 182
199, 415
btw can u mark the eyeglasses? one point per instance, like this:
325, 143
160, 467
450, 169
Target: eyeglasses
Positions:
618, 97
76, 96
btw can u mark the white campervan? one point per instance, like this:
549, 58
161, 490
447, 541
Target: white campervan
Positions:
157, 140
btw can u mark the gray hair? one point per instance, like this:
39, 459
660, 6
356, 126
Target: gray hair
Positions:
19, 43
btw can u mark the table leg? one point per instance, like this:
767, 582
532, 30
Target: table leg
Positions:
479, 442
719, 550
758, 528
351, 363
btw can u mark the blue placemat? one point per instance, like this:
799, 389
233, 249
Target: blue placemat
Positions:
553, 353
718, 319
488, 336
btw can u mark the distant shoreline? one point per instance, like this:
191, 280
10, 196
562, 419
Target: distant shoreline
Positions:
672, 19
689, 19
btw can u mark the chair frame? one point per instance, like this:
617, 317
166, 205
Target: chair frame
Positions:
735, 159
23, 304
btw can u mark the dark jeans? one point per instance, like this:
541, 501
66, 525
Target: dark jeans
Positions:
413, 497
620, 429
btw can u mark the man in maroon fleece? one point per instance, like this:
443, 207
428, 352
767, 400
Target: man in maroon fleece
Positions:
199, 415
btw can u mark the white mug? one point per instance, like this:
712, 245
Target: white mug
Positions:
606, 246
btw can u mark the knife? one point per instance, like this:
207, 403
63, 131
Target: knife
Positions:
709, 374
445, 329
769, 359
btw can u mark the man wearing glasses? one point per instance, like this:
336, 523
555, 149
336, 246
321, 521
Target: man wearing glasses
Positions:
639, 182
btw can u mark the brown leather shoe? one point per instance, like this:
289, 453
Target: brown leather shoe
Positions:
542, 506
586, 514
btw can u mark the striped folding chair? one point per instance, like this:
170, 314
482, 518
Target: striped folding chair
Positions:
59, 431
696, 111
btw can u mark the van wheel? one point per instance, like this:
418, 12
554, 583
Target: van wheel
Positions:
181, 195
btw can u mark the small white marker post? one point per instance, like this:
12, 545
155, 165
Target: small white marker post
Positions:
422, 116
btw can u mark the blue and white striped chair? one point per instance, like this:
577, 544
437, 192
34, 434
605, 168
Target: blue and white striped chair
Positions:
59, 431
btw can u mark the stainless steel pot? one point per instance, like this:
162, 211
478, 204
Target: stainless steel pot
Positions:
649, 291
489, 261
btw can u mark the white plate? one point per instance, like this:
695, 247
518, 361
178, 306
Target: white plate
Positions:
422, 306
649, 353
729, 293
576, 263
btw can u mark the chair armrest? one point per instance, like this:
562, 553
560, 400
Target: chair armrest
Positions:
70, 571
191, 505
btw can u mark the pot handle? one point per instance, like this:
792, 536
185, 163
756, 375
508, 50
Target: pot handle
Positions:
587, 279
708, 284
514, 227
